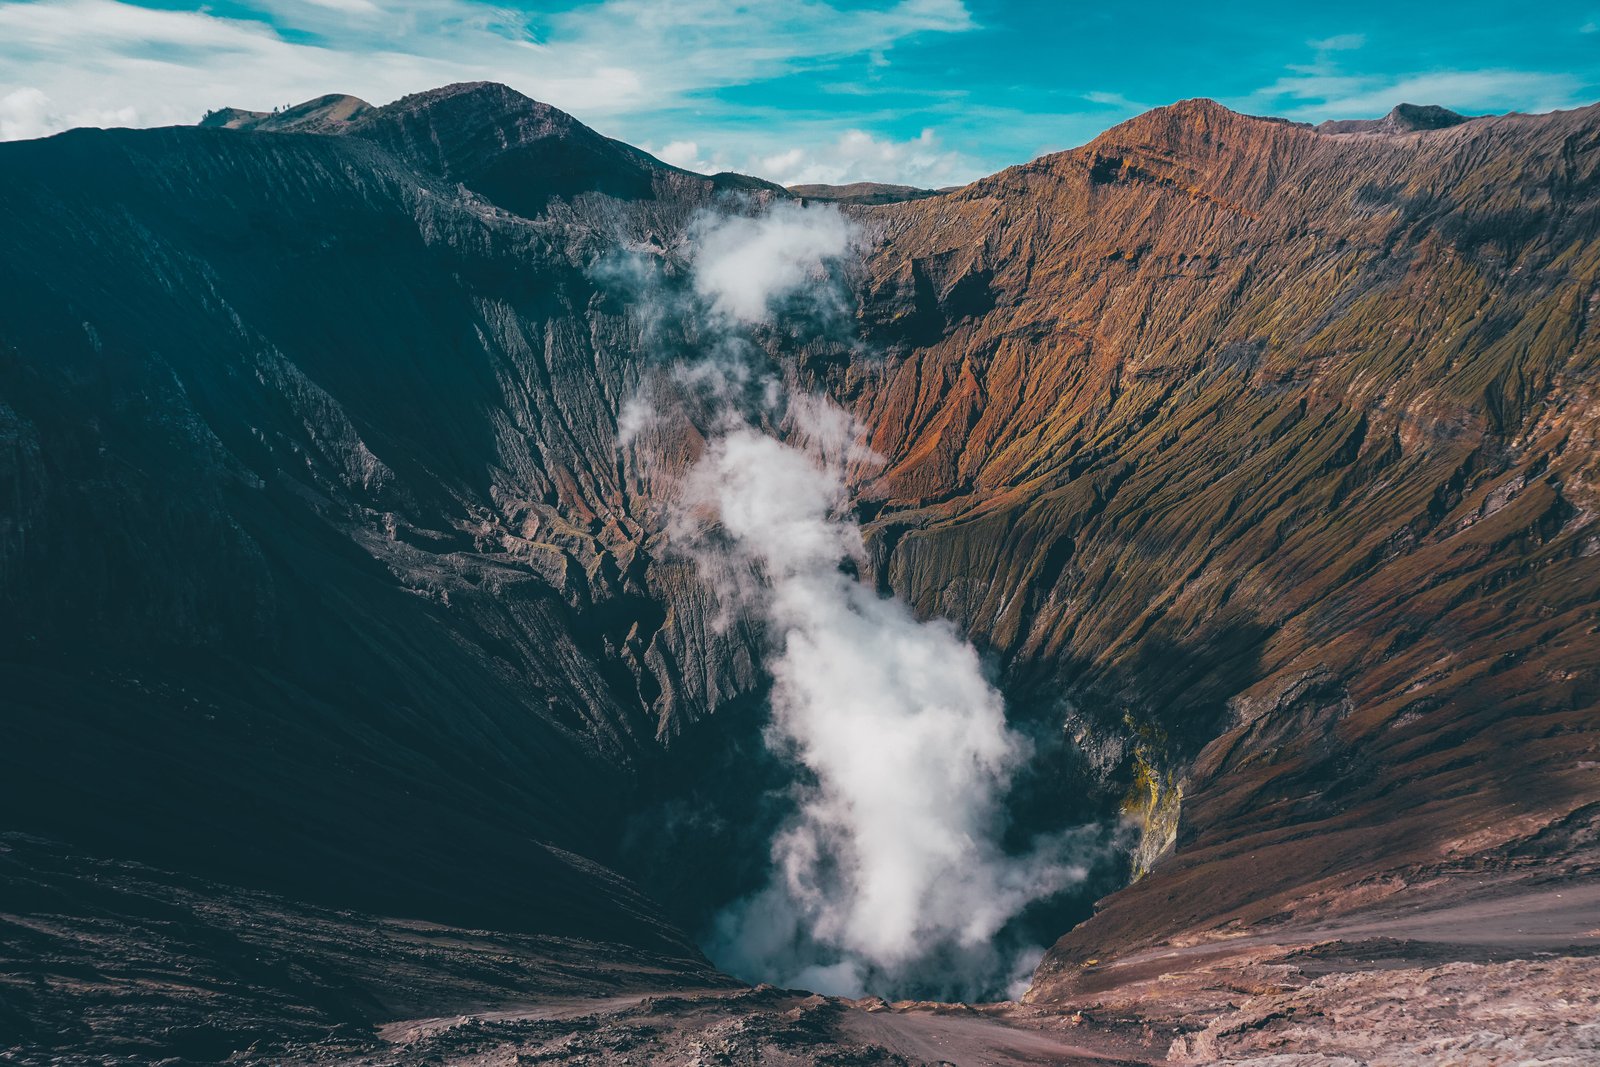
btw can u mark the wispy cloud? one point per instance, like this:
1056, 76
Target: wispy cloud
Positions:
88, 59
852, 156
1325, 54
1343, 42
1115, 100
1325, 88
1314, 97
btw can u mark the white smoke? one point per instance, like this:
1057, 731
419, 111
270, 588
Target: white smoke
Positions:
892, 863
890, 873
744, 264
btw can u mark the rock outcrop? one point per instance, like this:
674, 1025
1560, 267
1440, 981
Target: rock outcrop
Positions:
1405, 118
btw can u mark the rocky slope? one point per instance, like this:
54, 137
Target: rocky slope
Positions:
1259, 458
1274, 446
310, 473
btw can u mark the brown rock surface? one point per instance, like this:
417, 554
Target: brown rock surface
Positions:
1269, 450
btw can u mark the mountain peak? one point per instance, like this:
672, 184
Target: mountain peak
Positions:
481, 97
1198, 106
1425, 116
1184, 120
479, 117
508, 147
461, 102
325, 114
1403, 118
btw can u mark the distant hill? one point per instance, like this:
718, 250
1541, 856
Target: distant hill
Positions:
861, 193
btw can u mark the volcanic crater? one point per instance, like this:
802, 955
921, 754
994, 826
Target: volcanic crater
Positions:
364, 703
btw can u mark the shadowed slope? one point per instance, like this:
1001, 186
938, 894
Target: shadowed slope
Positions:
302, 577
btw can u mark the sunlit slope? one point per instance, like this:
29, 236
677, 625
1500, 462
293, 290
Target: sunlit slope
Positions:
1267, 456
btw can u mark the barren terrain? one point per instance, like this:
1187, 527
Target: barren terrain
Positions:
356, 704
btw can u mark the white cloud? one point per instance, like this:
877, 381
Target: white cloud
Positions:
1326, 52
851, 156
1343, 42
1314, 97
1116, 100
620, 57
28, 112
362, 7
741, 265
858, 156
732, 40
93, 58
685, 154
1322, 90
24, 113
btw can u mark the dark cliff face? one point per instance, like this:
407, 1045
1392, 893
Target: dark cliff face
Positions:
1259, 458
314, 561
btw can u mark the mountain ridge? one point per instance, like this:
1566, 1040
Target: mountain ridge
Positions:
341, 114
496, 141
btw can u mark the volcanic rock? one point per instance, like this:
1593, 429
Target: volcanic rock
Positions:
1405, 118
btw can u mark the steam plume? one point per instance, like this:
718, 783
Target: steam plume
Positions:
889, 875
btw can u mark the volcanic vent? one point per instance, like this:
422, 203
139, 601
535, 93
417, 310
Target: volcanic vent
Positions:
889, 861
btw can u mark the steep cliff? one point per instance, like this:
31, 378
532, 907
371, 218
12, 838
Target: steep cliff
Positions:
1268, 450
315, 565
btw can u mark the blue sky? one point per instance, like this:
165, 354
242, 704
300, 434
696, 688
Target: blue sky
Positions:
924, 91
